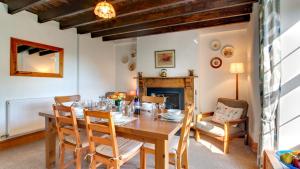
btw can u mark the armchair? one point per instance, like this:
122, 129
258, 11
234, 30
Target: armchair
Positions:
227, 131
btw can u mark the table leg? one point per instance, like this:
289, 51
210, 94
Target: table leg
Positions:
50, 142
161, 154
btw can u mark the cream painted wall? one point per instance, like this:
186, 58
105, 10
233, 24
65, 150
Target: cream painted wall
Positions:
186, 52
253, 75
215, 83
24, 25
192, 52
96, 68
124, 78
97, 61
289, 104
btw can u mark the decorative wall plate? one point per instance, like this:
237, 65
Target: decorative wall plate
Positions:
131, 66
125, 59
215, 45
227, 51
216, 62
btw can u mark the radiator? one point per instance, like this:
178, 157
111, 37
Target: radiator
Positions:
22, 115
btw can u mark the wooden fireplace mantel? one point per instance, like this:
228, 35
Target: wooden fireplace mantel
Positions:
185, 82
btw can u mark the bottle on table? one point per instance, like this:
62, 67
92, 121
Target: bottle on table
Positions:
137, 106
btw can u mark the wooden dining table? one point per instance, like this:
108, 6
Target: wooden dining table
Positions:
145, 129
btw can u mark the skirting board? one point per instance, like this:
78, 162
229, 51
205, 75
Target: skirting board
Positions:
17, 141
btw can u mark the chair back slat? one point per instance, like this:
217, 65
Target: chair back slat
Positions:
60, 100
153, 99
67, 131
185, 130
99, 140
66, 125
98, 114
65, 120
108, 129
99, 128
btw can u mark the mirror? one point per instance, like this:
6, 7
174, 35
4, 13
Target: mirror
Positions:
35, 59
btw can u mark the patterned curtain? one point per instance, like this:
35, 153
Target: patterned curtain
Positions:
270, 74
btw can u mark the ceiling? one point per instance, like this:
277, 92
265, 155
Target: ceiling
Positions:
136, 17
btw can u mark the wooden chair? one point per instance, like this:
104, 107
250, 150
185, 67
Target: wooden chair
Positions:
68, 134
60, 100
178, 149
108, 149
223, 132
153, 99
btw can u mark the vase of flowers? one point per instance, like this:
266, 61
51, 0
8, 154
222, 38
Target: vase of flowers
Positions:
118, 97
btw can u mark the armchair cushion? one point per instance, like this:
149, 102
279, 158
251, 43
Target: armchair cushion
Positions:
225, 113
209, 126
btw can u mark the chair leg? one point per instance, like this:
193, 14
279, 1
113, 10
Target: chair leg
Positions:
78, 159
246, 142
93, 163
143, 158
197, 135
116, 165
62, 157
185, 159
178, 162
226, 146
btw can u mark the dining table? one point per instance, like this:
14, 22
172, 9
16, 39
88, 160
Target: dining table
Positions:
144, 128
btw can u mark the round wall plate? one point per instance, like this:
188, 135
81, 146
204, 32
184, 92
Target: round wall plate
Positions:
216, 62
227, 51
215, 45
131, 66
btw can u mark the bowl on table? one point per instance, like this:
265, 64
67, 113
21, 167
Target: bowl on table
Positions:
174, 112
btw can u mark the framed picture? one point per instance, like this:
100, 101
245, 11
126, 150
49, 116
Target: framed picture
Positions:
165, 59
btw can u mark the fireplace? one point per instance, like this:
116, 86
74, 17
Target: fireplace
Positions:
174, 96
179, 90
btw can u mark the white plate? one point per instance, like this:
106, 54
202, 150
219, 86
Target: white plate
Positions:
172, 117
174, 111
116, 115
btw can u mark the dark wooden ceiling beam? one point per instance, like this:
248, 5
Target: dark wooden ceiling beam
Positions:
195, 17
15, 6
74, 7
192, 7
122, 9
183, 27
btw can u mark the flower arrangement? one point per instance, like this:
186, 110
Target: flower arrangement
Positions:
118, 96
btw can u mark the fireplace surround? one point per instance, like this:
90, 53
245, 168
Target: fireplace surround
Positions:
185, 83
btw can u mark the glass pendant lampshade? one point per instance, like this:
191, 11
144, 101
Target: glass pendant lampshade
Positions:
105, 10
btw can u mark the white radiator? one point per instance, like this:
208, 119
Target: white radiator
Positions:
22, 115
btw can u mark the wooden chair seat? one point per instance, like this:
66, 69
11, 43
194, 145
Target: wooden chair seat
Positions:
173, 145
126, 148
83, 138
232, 128
178, 146
215, 128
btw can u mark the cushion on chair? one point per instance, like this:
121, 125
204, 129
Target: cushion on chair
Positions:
173, 145
83, 138
126, 148
225, 113
215, 128
235, 104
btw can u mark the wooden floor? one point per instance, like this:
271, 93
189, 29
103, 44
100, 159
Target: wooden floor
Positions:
204, 155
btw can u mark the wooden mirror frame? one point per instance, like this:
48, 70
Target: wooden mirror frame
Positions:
14, 56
